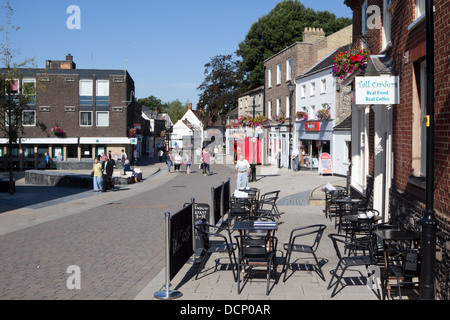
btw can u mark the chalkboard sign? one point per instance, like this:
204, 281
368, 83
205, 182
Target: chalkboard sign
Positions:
201, 215
181, 239
226, 197
216, 200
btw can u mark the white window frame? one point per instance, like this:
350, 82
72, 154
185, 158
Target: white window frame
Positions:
312, 113
279, 74
96, 118
34, 118
18, 86
312, 92
420, 8
99, 85
269, 109
29, 80
85, 125
91, 88
364, 18
386, 30
278, 106
289, 69
270, 77
423, 122
303, 91
323, 86
288, 107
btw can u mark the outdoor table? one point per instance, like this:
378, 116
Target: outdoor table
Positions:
346, 201
251, 197
255, 225
388, 236
356, 221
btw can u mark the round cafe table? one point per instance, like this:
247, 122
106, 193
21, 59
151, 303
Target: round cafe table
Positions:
346, 205
360, 224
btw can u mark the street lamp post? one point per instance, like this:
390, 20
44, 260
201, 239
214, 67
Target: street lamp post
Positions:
291, 91
253, 164
428, 221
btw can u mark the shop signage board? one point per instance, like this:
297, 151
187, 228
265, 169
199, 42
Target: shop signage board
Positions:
312, 126
377, 90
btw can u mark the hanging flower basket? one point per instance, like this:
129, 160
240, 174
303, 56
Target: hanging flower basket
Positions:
323, 114
279, 119
132, 133
250, 122
302, 115
347, 62
58, 131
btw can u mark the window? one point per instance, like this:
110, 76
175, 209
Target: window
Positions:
29, 118
419, 121
102, 93
386, 23
288, 70
278, 106
29, 90
323, 86
313, 89
102, 119
364, 18
288, 107
312, 113
303, 91
86, 92
420, 8
85, 118
13, 87
270, 78
269, 109
278, 73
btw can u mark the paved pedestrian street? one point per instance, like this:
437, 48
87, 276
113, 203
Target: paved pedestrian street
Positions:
116, 240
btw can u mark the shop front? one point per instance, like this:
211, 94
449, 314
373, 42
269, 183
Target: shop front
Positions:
313, 139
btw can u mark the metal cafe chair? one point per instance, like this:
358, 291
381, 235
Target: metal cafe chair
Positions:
339, 241
215, 242
238, 209
311, 235
256, 254
405, 268
267, 205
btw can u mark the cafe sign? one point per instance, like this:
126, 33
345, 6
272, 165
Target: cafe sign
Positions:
312, 126
377, 90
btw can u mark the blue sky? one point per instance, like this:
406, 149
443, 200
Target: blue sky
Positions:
166, 43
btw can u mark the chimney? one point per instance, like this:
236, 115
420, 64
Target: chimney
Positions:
313, 35
190, 106
69, 57
61, 64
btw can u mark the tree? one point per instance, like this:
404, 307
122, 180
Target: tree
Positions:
152, 103
14, 99
176, 110
223, 83
280, 28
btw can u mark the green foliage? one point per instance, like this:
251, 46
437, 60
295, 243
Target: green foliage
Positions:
176, 110
222, 85
280, 28
152, 102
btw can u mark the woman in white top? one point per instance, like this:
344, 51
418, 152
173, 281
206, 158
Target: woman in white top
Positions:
177, 162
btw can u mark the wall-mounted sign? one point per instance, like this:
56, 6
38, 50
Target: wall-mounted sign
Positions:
377, 90
312, 126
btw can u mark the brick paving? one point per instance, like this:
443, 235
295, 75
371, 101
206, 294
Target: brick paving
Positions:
117, 241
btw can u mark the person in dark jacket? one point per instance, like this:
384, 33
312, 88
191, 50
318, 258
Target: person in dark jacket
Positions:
107, 169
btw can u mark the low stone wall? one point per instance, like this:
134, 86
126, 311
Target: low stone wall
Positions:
73, 180
82, 165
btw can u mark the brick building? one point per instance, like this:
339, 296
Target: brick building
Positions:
280, 71
389, 141
95, 109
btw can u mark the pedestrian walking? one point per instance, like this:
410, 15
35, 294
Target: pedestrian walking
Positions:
177, 160
206, 157
107, 170
242, 172
47, 161
123, 157
295, 159
187, 163
198, 155
169, 160
97, 175
160, 154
